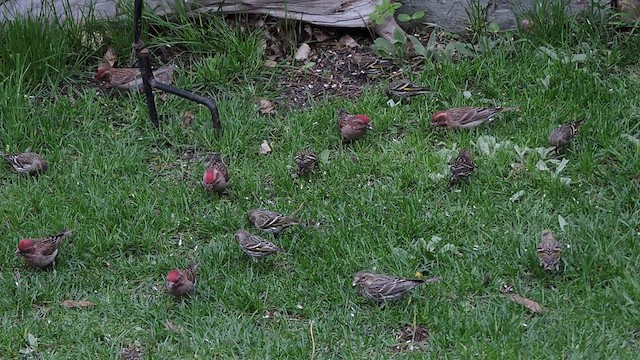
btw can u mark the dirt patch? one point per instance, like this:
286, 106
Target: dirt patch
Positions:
411, 338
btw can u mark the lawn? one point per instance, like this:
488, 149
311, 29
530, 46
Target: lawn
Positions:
133, 197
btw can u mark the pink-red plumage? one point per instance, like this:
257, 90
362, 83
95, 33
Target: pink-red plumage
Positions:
353, 127
466, 117
131, 78
181, 282
43, 251
215, 177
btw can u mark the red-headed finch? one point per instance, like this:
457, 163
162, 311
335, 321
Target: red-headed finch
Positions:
181, 282
306, 161
380, 287
403, 88
41, 252
462, 166
215, 176
255, 246
563, 134
549, 250
26, 162
270, 221
466, 117
131, 78
353, 127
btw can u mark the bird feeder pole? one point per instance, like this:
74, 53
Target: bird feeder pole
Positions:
149, 83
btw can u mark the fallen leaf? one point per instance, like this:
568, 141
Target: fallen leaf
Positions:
266, 106
528, 303
264, 148
348, 41
303, 52
561, 222
70, 304
172, 327
187, 119
270, 63
321, 36
110, 56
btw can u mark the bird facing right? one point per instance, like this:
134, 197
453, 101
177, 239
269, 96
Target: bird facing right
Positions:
385, 288
462, 166
563, 134
41, 252
353, 127
26, 162
181, 282
549, 251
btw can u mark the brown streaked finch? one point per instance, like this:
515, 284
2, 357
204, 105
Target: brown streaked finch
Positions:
215, 177
467, 117
549, 251
270, 221
181, 282
563, 134
385, 288
41, 252
353, 127
255, 246
131, 78
462, 166
26, 162
404, 89
306, 161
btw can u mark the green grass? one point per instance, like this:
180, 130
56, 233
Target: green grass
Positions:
381, 203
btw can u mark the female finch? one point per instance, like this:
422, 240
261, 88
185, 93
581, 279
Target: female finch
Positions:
306, 161
215, 176
404, 89
41, 252
26, 162
384, 288
462, 166
181, 282
353, 127
563, 134
549, 251
466, 117
270, 221
255, 246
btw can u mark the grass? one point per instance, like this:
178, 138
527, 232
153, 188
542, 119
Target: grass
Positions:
381, 203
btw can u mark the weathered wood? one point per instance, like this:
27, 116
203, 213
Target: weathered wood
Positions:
335, 13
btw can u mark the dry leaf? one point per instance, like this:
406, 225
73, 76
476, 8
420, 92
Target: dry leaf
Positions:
321, 36
348, 41
172, 327
528, 303
187, 119
303, 52
110, 56
270, 63
266, 106
264, 148
70, 304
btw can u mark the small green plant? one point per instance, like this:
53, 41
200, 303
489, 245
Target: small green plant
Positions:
383, 11
418, 15
394, 49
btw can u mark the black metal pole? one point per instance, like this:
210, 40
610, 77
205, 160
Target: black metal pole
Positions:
215, 117
148, 82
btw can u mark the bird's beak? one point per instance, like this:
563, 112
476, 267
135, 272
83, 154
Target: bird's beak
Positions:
369, 127
353, 283
17, 253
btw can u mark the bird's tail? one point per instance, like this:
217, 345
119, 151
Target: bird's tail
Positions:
62, 235
430, 280
509, 108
